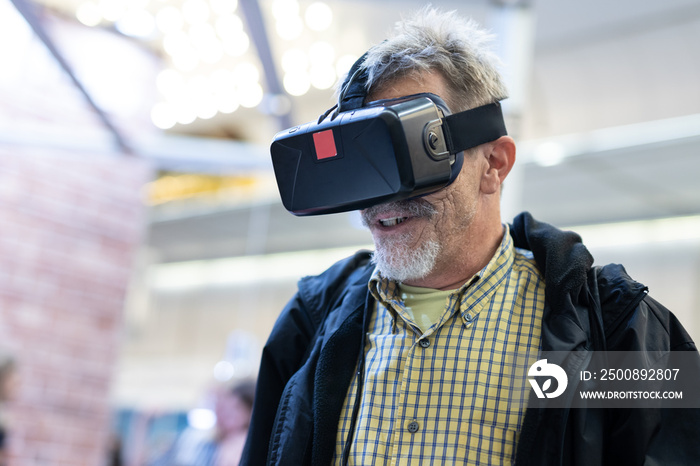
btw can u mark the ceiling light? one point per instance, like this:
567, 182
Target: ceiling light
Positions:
196, 100
137, 23
175, 42
163, 115
228, 107
222, 79
250, 94
227, 25
297, 83
282, 10
223, 7
186, 60
207, 110
184, 112
321, 53
204, 40
170, 82
295, 60
236, 45
212, 53
229, 28
169, 20
195, 11
202, 35
322, 76
246, 72
228, 103
111, 10
290, 28
89, 14
318, 16
223, 86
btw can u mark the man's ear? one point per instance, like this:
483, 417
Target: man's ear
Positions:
500, 156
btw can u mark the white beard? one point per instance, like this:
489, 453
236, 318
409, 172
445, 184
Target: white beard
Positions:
401, 261
399, 258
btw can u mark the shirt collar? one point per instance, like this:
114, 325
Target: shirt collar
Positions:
474, 292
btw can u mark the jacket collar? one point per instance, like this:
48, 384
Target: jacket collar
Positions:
564, 262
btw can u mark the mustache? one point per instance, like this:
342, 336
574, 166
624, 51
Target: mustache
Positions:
407, 208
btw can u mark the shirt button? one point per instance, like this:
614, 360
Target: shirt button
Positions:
424, 343
413, 427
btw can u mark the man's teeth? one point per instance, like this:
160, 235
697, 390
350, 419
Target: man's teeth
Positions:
390, 222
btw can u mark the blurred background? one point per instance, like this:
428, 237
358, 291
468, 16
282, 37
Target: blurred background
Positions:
144, 254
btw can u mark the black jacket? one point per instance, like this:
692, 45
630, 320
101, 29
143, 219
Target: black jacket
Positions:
313, 351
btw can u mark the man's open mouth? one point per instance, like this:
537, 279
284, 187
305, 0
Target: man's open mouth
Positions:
394, 213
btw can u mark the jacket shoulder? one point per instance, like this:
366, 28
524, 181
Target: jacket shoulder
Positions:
633, 320
319, 292
618, 294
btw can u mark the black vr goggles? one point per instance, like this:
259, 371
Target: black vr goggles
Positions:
384, 151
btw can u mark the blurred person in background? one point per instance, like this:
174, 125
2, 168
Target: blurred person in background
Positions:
224, 444
401, 357
233, 410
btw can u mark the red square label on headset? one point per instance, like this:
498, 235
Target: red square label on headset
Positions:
324, 143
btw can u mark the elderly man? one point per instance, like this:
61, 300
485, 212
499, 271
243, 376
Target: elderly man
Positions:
403, 356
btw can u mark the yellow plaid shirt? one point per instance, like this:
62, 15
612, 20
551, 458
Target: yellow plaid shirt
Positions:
454, 394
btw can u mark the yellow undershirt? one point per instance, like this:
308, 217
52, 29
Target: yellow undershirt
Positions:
425, 305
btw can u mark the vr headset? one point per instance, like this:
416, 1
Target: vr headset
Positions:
387, 150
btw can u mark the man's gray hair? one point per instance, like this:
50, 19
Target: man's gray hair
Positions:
432, 40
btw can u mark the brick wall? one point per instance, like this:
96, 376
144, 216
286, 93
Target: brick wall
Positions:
71, 218
69, 225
